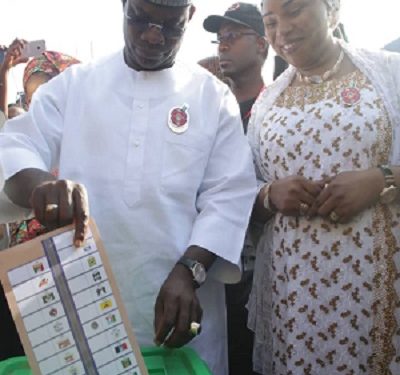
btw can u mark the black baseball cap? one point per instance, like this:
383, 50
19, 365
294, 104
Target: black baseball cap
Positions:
240, 13
171, 3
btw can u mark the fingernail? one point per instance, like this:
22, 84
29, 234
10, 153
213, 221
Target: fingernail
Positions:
78, 244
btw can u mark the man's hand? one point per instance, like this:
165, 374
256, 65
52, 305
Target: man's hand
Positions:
348, 194
13, 55
62, 202
176, 307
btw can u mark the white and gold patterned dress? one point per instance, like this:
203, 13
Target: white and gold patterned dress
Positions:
325, 296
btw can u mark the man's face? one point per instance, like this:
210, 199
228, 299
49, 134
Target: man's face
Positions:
239, 49
153, 34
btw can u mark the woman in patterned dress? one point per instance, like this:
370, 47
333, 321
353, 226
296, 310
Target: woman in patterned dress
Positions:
326, 143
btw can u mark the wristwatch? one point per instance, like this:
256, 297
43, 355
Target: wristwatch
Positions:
390, 191
196, 268
267, 202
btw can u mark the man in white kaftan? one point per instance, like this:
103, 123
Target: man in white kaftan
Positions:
153, 191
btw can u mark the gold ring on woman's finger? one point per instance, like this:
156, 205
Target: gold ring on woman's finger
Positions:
334, 217
304, 207
195, 328
51, 207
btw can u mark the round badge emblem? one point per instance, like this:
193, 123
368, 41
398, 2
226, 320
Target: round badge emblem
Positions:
350, 96
178, 120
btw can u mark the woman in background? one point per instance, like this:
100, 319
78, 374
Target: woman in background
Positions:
38, 71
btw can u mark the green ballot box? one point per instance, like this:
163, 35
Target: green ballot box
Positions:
158, 361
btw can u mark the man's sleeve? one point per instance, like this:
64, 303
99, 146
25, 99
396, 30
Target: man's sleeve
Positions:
226, 195
32, 140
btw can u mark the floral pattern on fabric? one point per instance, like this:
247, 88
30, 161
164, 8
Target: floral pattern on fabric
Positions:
25, 231
325, 298
50, 63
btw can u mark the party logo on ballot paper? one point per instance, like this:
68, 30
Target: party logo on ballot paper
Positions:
121, 348
48, 297
92, 261
53, 312
126, 362
106, 304
38, 267
96, 276
111, 319
43, 282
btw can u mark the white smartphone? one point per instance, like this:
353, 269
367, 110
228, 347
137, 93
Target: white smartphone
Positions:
34, 48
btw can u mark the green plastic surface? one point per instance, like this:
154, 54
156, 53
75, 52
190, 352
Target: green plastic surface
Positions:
159, 361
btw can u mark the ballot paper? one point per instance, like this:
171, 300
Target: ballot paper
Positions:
67, 307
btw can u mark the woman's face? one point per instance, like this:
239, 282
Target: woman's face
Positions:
298, 30
33, 84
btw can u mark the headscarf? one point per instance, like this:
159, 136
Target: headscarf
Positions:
50, 63
334, 11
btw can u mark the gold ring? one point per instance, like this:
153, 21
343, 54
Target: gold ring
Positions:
51, 207
304, 207
195, 328
334, 217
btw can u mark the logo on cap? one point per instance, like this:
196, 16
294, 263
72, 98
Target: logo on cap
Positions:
234, 7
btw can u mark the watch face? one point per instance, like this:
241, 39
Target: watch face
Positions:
199, 273
389, 194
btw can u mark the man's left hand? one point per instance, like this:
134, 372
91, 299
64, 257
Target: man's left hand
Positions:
176, 307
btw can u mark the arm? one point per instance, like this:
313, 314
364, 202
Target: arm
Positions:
19, 188
224, 202
30, 148
11, 59
3, 90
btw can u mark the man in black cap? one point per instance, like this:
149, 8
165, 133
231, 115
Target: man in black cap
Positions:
242, 50
158, 148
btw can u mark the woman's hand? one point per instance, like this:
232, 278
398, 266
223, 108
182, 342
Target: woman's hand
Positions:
348, 194
294, 196
13, 55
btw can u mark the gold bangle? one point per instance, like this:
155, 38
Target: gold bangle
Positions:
267, 202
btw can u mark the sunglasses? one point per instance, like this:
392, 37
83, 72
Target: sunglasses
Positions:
143, 25
230, 37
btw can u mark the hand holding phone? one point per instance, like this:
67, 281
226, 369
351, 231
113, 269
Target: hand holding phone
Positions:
12, 54
33, 49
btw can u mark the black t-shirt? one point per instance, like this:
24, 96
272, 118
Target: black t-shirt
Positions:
245, 112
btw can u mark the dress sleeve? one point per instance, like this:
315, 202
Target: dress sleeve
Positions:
226, 195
